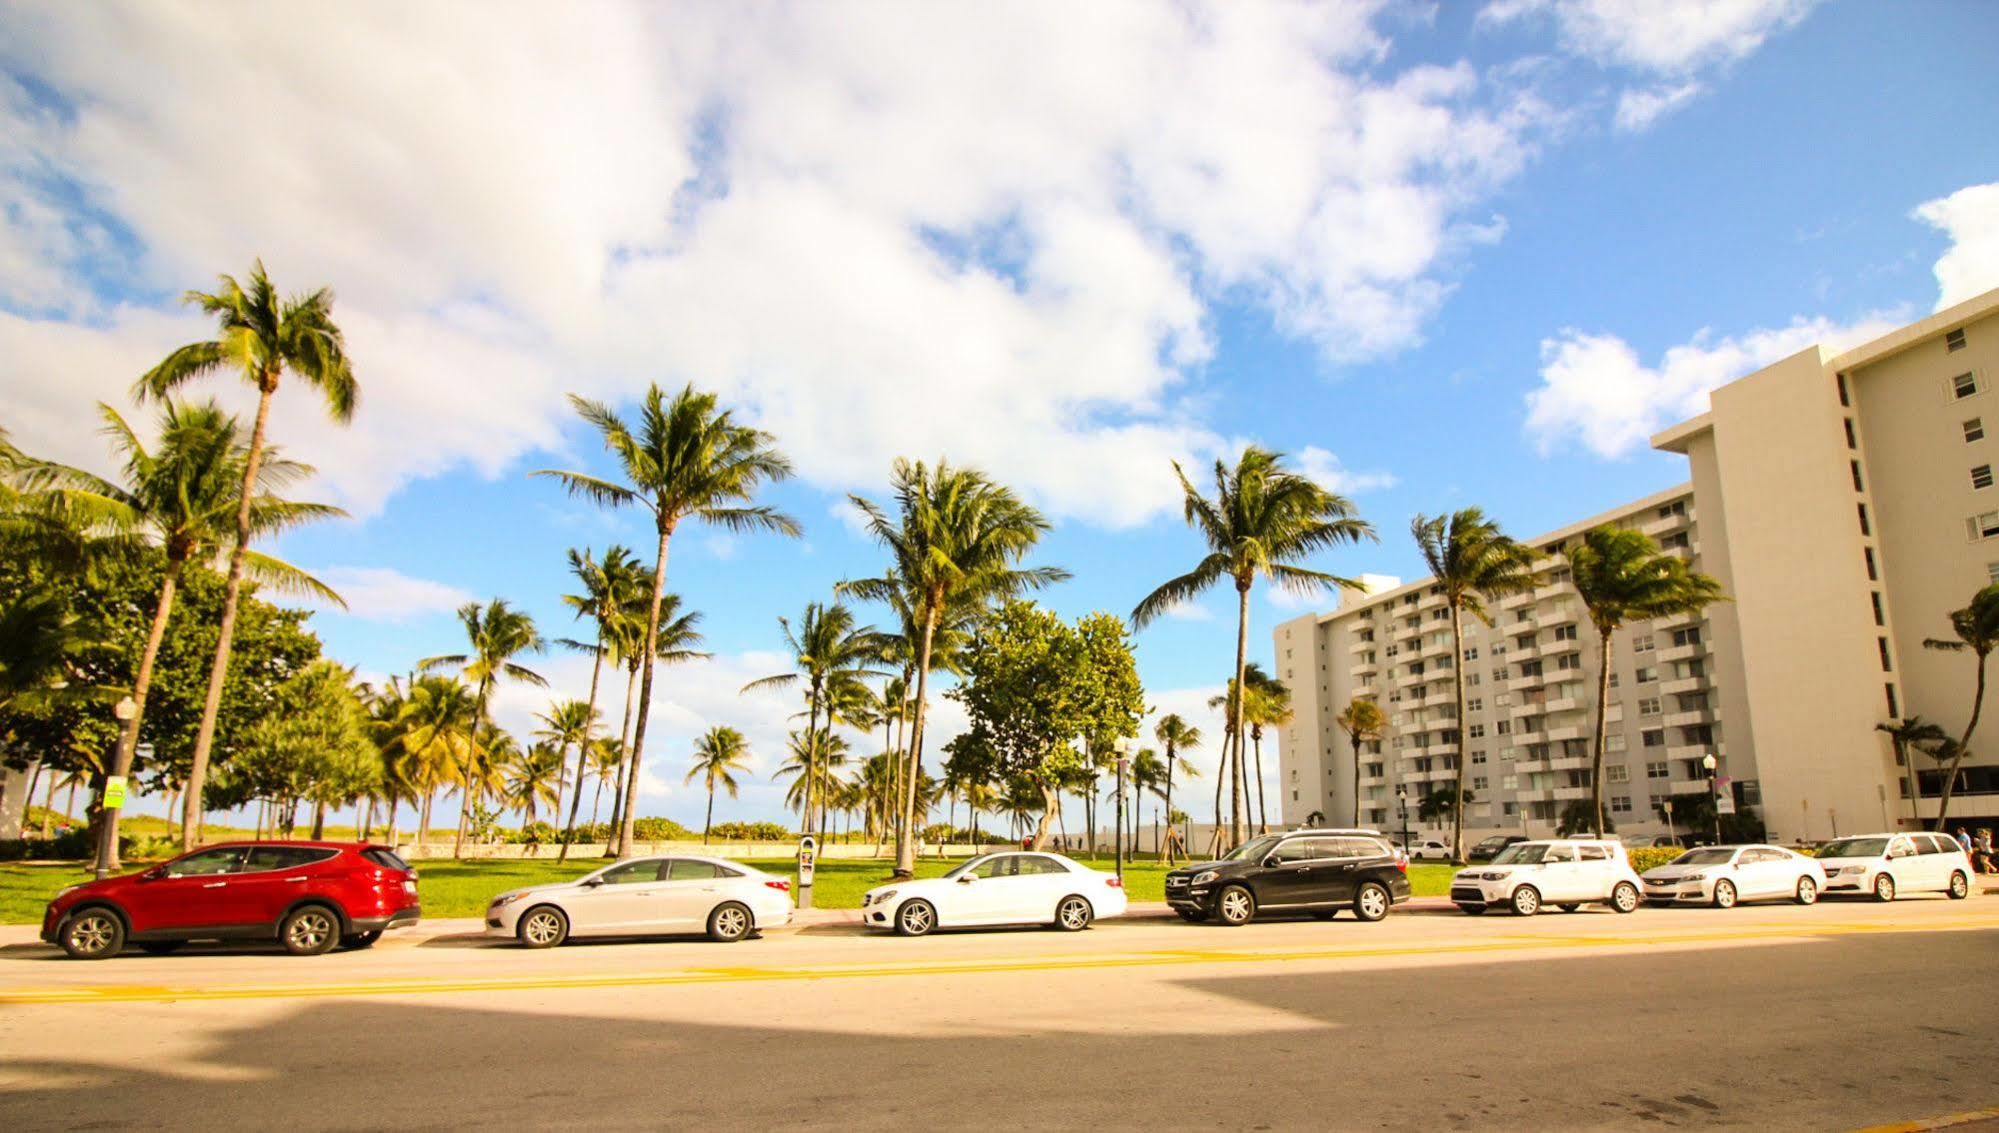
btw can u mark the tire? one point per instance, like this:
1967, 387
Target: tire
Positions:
1724, 894
309, 930
1472, 910
730, 922
1884, 888
355, 941
915, 918
94, 933
1372, 902
543, 926
1192, 916
1807, 892
160, 947
1073, 914
1960, 886
1624, 897
1235, 906
1569, 906
1526, 901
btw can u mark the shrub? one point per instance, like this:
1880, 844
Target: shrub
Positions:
662, 830
753, 832
1652, 857
536, 831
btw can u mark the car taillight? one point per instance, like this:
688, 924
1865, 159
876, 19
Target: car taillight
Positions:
1114, 882
779, 884
1402, 862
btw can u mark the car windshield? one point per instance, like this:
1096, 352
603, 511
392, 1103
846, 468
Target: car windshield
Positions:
1254, 850
970, 864
1713, 856
1855, 848
1522, 853
1492, 843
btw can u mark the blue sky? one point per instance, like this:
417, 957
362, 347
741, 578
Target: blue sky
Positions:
1444, 255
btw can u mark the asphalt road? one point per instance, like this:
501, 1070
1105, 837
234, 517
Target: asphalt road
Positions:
1840, 1016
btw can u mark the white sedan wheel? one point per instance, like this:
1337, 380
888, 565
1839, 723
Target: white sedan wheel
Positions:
1073, 914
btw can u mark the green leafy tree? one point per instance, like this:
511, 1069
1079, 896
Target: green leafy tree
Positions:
313, 745
1262, 521
260, 337
1363, 722
1439, 804
1623, 576
1474, 562
719, 756
1975, 630
533, 779
831, 655
438, 736
686, 459
955, 542
496, 634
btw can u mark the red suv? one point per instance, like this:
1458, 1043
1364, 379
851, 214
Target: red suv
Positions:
308, 896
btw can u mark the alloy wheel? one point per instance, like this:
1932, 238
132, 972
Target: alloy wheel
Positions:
1236, 906
1808, 891
309, 930
731, 922
1373, 903
1074, 914
92, 933
1724, 895
1884, 888
542, 928
916, 918
1526, 900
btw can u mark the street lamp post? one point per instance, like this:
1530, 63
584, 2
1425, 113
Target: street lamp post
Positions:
1123, 747
1402, 804
114, 788
1713, 793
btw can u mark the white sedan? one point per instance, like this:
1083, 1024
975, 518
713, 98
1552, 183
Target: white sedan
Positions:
1723, 875
642, 897
998, 889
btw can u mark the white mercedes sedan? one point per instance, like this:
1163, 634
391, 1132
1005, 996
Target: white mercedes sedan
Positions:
1009, 888
1723, 875
645, 897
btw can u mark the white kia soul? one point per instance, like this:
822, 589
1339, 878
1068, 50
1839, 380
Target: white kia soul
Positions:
1884, 865
1565, 872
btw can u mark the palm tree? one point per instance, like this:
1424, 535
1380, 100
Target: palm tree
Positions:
182, 495
606, 757
832, 655
1146, 773
687, 459
1918, 734
900, 647
813, 770
956, 541
1439, 804
1976, 629
676, 638
1623, 576
610, 586
497, 633
533, 779
259, 336
1262, 521
1176, 736
1363, 722
1268, 705
1473, 561
438, 736
718, 755
567, 724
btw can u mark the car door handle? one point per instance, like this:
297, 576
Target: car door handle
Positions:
215, 885
298, 879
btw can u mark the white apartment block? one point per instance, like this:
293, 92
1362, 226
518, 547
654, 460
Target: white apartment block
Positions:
1846, 503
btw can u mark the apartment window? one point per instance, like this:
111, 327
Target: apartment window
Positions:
1648, 706
1616, 773
1620, 804
1984, 525
1502, 699
1702, 734
1865, 527
1568, 661
1471, 653
1509, 782
1855, 465
1981, 476
1991, 572
1477, 731
1693, 701
1565, 633
1954, 341
1646, 674
1677, 507
1963, 385
1530, 669
1613, 680
1505, 727
1474, 705
1393, 650
1478, 782
1883, 643
1689, 636
1471, 680
1658, 770
1614, 742
1676, 540
1440, 615
1477, 758
1499, 673
1874, 573
1843, 398
1852, 441
1974, 430
1894, 709
1654, 737
1641, 643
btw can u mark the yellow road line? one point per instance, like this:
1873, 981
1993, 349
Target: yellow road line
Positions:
131, 993
1923, 1126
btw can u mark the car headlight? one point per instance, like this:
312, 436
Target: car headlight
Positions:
1500, 876
66, 891
1204, 877
507, 899
1698, 875
881, 898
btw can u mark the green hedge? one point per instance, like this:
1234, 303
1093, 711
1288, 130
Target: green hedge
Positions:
1651, 857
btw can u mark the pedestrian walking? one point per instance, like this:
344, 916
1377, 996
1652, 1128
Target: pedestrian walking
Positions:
1981, 852
1964, 839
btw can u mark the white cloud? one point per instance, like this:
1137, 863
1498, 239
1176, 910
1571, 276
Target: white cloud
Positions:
1970, 217
1190, 611
1596, 392
994, 236
385, 595
1667, 38
1637, 109
1334, 476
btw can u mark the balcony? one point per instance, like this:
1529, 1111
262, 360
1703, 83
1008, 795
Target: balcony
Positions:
1362, 643
1530, 707
1660, 525
1565, 732
1518, 684
1359, 667
1676, 621
1552, 590
1535, 795
1682, 684
1516, 600
1569, 763
1565, 704
1530, 737
1523, 652
1673, 653
1563, 794
1561, 613
1690, 717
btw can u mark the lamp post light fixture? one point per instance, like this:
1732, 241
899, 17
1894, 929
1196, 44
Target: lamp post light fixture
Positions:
1709, 762
126, 710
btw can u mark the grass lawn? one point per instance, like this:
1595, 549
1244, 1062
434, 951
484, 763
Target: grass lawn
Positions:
462, 888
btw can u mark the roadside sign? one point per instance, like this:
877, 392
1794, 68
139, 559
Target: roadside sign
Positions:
144, 751
1724, 803
114, 792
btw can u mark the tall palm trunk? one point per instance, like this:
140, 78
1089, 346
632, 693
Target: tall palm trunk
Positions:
1602, 707
1458, 795
1963, 746
708, 823
597, 800
1221, 780
470, 796
128, 736
391, 827
645, 693
583, 748
423, 822
211, 705
1354, 738
905, 849
1236, 690
624, 761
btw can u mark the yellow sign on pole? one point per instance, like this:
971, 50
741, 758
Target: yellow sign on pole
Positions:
114, 792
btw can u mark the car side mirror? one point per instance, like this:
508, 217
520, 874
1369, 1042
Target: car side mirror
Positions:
967, 878
155, 873
1272, 862
593, 883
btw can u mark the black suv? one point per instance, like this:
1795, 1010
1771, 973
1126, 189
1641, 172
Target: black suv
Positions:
1305, 871
1489, 849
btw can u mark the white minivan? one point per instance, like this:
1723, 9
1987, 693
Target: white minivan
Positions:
1885, 865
